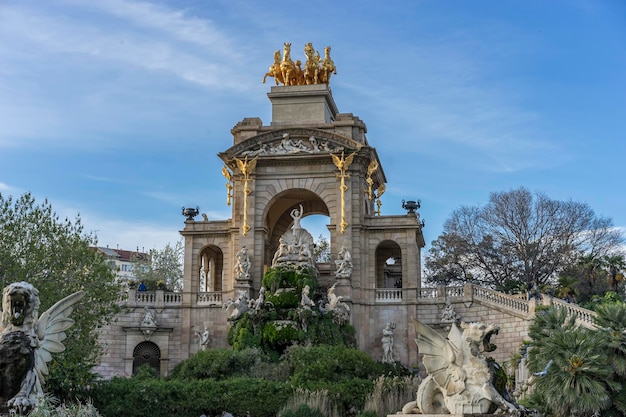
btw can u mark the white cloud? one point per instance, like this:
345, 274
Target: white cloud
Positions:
5, 187
187, 56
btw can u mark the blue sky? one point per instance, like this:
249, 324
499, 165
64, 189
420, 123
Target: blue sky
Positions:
116, 109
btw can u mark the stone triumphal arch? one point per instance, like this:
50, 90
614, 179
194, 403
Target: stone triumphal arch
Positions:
315, 160
310, 159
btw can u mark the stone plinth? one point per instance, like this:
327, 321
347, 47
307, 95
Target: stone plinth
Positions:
450, 415
302, 105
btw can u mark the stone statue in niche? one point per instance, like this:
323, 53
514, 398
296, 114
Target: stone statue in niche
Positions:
295, 247
27, 342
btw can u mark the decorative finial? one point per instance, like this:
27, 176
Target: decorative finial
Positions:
190, 213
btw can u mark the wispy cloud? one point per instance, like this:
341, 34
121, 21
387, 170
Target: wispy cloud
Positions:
158, 50
5, 187
454, 102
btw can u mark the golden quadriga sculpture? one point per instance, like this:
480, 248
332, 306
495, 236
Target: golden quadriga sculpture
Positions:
316, 70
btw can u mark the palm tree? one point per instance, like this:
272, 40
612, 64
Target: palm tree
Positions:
590, 265
611, 323
579, 380
614, 264
568, 288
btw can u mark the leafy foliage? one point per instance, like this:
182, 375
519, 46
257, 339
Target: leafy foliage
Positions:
55, 256
517, 237
580, 371
161, 266
321, 252
282, 322
219, 363
220, 379
132, 397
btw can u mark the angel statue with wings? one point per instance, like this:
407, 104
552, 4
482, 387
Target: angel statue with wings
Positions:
27, 342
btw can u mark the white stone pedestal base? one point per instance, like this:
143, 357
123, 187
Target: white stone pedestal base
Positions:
449, 415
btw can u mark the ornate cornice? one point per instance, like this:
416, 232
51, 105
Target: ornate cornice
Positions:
289, 142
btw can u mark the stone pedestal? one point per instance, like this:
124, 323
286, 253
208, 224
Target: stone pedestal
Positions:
450, 415
302, 105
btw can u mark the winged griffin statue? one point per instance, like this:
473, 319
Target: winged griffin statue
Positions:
27, 342
459, 380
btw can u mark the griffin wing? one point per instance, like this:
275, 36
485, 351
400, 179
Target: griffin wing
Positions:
51, 328
440, 356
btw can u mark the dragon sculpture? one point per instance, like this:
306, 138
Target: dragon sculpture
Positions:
459, 380
27, 342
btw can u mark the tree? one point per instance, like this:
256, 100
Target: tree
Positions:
517, 239
54, 255
161, 266
614, 264
574, 369
321, 252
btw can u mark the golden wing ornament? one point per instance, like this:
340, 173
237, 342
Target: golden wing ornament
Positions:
372, 167
349, 159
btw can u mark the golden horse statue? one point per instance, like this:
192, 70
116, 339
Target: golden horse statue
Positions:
316, 70
328, 67
312, 65
275, 70
288, 67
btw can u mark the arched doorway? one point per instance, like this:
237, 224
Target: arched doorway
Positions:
147, 353
278, 217
210, 267
388, 265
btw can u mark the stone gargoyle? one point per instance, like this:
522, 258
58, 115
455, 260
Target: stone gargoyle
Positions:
27, 342
459, 380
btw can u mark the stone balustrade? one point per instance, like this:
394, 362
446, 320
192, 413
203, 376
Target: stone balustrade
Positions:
388, 295
209, 298
584, 317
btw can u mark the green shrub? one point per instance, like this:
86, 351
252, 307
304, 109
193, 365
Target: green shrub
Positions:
281, 334
276, 278
330, 363
219, 364
242, 336
286, 299
130, 397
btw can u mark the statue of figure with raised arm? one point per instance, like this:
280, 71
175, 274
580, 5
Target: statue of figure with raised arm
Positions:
296, 215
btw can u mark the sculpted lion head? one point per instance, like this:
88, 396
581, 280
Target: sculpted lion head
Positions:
20, 306
476, 333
